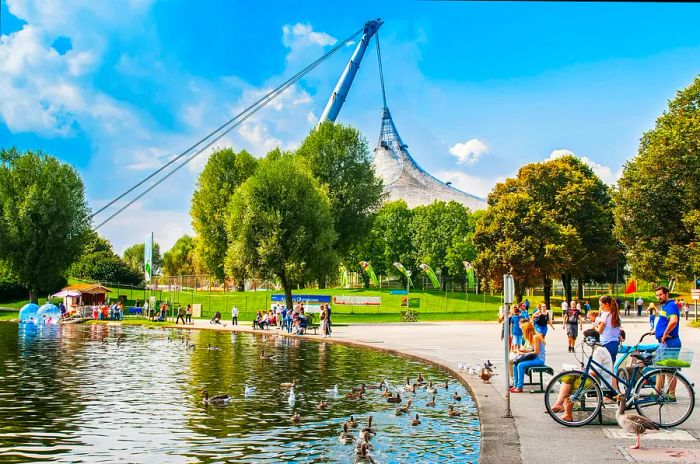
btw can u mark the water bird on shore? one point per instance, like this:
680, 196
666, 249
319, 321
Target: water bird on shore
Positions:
415, 421
322, 405
352, 422
291, 384
369, 428
247, 391
346, 437
363, 456
430, 389
456, 396
431, 402
486, 375
633, 423
394, 399
219, 400
296, 418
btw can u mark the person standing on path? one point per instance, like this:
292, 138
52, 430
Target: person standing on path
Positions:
234, 315
627, 308
188, 314
608, 325
572, 321
328, 319
667, 331
180, 315
640, 303
516, 330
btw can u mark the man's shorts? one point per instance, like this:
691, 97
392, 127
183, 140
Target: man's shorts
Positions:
517, 340
572, 330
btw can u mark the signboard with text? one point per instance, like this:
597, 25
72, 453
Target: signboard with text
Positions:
357, 300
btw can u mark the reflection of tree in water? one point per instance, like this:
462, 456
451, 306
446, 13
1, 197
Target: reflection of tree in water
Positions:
37, 390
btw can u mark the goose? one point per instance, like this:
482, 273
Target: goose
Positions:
394, 399
456, 397
322, 405
220, 400
486, 374
420, 378
364, 439
333, 390
247, 391
446, 384
292, 397
415, 421
212, 348
352, 422
296, 418
452, 412
360, 388
346, 437
430, 389
378, 386
266, 357
363, 456
404, 409
291, 384
370, 431
431, 402
633, 423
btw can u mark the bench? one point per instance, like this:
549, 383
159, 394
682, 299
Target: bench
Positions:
538, 370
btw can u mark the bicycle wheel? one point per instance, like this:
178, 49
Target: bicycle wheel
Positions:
587, 398
664, 396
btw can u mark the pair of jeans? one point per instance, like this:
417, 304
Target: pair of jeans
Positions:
180, 317
234, 320
519, 370
188, 318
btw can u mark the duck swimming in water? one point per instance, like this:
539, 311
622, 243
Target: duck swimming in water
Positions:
446, 385
296, 418
415, 421
394, 399
266, 357
333, 390
430, 389
404, 409
322, 405
431, 402
352, 422
363, 456
420, 378
346, 437
219, 400
386, 393
212, 348
354, 395
456, 397
452, 412
247, 391
369, 428
291, 384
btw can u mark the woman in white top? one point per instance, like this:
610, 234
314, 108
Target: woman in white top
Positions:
608, 325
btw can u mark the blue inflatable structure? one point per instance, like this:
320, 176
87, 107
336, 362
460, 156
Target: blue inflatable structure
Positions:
28, 313
48, 314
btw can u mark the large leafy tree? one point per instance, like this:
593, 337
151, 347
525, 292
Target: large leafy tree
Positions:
658, 197
442, 238
338, 156
134, 257
224, 172
181, 259
279, 225
43, 217
99, 262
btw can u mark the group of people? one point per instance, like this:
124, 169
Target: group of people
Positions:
527, 332
112, 312
293, 321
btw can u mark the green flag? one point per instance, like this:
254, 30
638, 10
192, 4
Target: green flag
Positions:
470, 274
431, 275
367, 267
402, 270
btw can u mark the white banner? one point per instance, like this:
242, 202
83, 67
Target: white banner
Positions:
357, 300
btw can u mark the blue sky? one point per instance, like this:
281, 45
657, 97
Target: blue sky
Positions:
476, 89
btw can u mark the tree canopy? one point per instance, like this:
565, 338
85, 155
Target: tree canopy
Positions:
181, 259
280, 224
134, 257
224, 172
99, 262
43, 217
658, 197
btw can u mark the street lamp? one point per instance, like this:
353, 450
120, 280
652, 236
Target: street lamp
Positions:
408, 279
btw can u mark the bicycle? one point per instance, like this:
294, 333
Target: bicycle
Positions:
588, 387
409, 316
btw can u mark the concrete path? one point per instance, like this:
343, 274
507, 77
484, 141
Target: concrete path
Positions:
531, 436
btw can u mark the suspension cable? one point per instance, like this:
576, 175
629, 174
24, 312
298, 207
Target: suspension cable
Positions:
381, 71
245, 114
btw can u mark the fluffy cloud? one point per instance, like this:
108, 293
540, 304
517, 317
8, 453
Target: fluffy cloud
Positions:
479, 186
604, 172
299, 35
469, 152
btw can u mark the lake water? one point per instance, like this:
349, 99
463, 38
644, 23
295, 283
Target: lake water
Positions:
67, 397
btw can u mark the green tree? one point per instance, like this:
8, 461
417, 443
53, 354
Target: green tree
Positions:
658, 198
278, 225
224, 172
442, 238
43, 217
99, 262
181, 258
338, 156
134, 257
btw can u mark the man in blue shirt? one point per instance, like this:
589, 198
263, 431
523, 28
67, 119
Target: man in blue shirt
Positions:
666, 330
516, 331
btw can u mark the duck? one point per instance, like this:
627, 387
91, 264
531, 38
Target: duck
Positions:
346, 437
404, 409
415, 421
363, 456
219, 400
266, 357
431, 402
364, 438
378, 386
322, 405
247, 391
430, 389
420, 378
394, 399
212, 348
486, 374
386, 393
291, 384
412, 388
354, 395
292, 397
352, 422
333, 390
456, 396
296, 418
370, 431
452, 412
633, 423
190, 346
446, 385
361, 388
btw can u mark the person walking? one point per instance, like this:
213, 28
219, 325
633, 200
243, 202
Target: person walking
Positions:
627, 307
541, 319
652, 315
328, 320
515, 329
188, 314
572, 321
608, 325
640, 303
180, 315
234, 315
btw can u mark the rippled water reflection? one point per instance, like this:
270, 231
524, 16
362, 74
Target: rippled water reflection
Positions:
67, 397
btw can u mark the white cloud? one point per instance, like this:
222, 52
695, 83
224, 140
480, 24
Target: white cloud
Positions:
605, 173
258, 136
301, 35
479, 186
469, 152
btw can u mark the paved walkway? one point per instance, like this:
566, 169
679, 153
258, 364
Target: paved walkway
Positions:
531, 436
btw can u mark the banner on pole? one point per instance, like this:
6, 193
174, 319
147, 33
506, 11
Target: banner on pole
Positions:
148, 257
431, 275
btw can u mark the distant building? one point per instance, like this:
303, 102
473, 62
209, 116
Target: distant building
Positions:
405, 179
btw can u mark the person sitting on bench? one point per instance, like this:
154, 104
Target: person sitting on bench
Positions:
216, 319
527, 358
